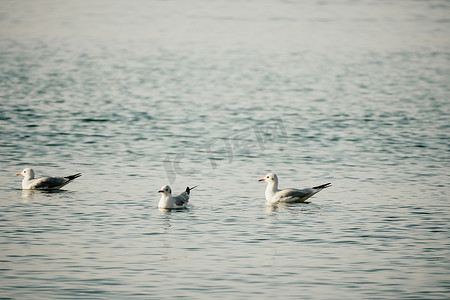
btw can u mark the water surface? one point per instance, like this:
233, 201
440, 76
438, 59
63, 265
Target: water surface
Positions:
113, 89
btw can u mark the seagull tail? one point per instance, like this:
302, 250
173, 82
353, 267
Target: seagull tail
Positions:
188, 189
72, 177
323, 186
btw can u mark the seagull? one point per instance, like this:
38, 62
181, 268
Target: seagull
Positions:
168, 201
275, 195
44, 183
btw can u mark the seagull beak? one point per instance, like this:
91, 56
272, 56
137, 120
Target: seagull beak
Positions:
160, 191
18, 174
262, 179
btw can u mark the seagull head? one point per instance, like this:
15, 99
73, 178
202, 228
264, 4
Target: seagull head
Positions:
165, 189
27, 172
270, 178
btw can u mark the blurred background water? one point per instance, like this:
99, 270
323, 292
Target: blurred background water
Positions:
113, 89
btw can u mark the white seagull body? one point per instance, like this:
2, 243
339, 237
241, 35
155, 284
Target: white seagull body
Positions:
44, 183
168, 201
275, 195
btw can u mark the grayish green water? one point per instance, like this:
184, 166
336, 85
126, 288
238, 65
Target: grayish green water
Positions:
358, 92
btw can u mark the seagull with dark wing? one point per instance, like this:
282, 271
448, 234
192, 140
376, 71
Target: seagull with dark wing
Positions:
168, 201
275, 195
44, 183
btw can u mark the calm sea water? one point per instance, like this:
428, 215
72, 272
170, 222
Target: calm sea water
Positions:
137, 94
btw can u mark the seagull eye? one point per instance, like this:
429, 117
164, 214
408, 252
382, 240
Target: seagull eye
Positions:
166, 190
267, 176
